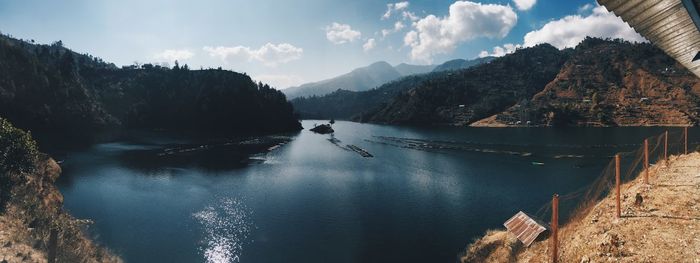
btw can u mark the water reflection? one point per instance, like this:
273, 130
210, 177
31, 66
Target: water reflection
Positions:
421, 198
226, 225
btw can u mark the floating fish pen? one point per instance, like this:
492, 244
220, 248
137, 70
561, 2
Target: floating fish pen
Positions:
359, 150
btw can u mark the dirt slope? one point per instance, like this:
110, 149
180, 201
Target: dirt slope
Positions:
664, 228
608, 83
34, 209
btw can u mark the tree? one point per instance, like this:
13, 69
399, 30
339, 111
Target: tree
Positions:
18, 150
68, 63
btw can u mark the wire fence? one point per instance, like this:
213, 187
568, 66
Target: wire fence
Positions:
632, 164
578, 204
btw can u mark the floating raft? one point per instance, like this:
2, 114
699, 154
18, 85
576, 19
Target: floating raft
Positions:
359, 150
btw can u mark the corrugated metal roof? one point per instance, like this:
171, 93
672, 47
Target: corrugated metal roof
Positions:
524, 228
669, 24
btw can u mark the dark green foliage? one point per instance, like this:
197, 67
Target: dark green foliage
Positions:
600, 82
184, 99
18, 151
563, 116
343, 104
604, 81
51, 89
458, 64
462, 97
347, 104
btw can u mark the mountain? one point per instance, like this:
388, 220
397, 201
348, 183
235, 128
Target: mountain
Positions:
611, 83
375, 75
598, 83
357, 80
344, 104
50, 88
408, 69
457, 64
464, 96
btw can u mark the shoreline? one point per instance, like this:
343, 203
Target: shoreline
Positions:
664, 227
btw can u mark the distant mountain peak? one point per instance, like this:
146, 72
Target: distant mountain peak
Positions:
409, 69
375, 75
457, 64
359, 79
379, 64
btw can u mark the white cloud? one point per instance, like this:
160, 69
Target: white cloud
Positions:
571, 30
524, 4
386, 32
584, 8
395, 7
401, 5
397, 27
369, 45
499, 51
466, 20
341, 33
410, 16
268, 54
174, 54
280, 81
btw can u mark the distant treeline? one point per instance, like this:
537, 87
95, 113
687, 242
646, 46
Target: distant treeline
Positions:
600, 82
49, 88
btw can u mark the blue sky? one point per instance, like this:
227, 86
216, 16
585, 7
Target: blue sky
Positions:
289, 42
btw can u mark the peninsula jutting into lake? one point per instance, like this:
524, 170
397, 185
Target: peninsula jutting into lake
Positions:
349, 131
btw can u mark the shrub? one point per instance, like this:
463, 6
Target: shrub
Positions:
18, 151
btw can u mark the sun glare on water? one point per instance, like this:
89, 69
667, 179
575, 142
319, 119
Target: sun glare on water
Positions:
226, 225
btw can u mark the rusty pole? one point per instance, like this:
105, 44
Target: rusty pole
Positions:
685, 139
646, 161
666, 148
617, 182
555, 228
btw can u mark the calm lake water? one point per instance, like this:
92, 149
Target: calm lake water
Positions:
313, 200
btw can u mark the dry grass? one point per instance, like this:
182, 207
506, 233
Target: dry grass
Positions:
664, 228
495, 246
33, 210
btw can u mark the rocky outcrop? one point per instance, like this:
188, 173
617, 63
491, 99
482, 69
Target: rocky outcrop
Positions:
323, 129
610, 83
463, 97
598, 83
33, 210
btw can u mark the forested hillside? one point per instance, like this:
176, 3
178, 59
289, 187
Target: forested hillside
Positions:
598, 83
51, 88
462, 97
343, 104
346, 104
611, 83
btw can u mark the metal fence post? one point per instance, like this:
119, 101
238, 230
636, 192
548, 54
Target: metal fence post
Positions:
646, 161
617, 182
685, 139
666, 148
555, 228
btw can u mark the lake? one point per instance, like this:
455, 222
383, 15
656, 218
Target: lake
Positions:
425, 194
